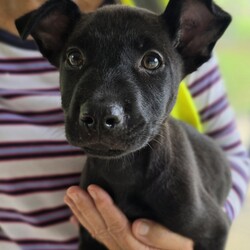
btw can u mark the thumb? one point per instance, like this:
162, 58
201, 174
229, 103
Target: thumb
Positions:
155, 235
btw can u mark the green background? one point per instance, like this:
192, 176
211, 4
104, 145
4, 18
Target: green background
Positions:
233, 51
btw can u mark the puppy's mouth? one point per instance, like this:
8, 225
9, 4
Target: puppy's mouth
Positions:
102, 151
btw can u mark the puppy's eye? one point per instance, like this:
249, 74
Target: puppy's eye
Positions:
151, 61
75, 58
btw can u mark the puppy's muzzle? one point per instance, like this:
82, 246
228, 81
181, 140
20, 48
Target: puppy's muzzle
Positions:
102, 117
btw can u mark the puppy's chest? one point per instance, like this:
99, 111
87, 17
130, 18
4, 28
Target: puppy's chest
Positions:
138, 193
129, 190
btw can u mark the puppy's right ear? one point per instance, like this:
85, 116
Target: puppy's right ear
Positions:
194, 27
50, 25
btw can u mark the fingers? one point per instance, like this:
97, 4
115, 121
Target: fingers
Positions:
153, 234
116, 222
105, 222
86, 213
71, 202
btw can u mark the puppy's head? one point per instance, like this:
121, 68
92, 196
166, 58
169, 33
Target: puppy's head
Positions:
120, 67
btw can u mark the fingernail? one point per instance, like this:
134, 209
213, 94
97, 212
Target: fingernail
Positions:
74, 197
143, 228
92, 193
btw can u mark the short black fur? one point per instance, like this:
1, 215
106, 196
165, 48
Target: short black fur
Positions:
120, 70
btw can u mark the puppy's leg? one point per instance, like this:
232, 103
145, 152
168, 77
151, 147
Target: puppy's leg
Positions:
215, 236
88, 243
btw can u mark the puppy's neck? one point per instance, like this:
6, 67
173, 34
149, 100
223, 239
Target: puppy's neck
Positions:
139, 166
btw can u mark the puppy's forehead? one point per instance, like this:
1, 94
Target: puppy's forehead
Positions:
119, 23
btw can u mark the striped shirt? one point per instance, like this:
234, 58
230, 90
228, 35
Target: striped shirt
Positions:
37, 165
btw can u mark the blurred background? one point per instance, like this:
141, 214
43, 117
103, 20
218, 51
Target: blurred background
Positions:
234, 55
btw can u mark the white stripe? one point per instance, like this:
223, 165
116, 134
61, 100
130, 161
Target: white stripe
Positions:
234, 200
204, 69
14, 52
235, 150
8, 246
209, 96
61, 232
10, 133
239, 162
43, 81
33, 103
31, 202
239, 181
41, 167
220, 121
229, 139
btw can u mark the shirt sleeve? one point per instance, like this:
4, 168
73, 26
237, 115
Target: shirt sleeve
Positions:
218, 119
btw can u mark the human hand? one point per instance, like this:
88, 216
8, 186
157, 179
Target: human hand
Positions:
97, 213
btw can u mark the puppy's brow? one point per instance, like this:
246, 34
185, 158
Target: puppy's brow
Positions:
143, 43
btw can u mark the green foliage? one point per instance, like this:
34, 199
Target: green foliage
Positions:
234, 54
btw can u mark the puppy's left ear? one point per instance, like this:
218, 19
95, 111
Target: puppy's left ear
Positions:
195, 26
50, 26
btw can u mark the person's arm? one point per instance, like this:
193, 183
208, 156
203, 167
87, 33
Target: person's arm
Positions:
207, 88
106, 223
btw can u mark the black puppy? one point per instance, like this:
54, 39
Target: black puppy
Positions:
120, 69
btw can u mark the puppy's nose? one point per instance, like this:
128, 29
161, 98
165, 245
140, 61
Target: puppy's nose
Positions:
101, 116
111, 121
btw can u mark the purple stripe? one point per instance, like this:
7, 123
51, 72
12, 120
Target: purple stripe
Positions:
201, 79
9, 94
218, 111
39, 241
13, 40
26, 66
24, 91
206, 85
32, 143
239, 192
28, 71
34, 119
232, 146
214, 108
240, 171
247, 163
14, 188
32, 113
34, 212
37, 244
22, 60
58, 219
205, 80
38, 149
230, 210
47, 219
242, 154
227, 129
39, 178
50, 118
41, 190
44, 155
17, 123
50, 247
211, 106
